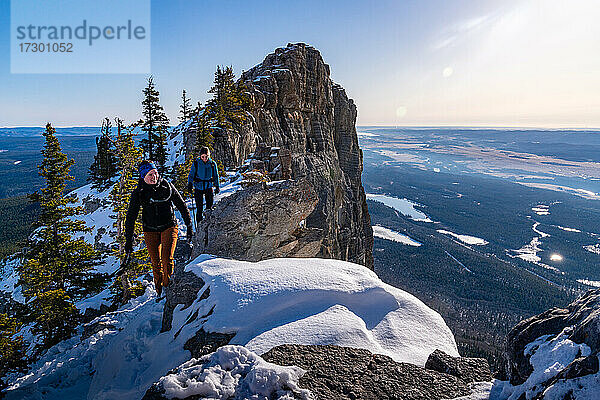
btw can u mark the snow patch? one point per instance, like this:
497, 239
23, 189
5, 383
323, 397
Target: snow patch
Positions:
95, 301
593, 248
234, 371
9, 278
366, 134
568, 229
465, 238
589, 283
529, 251
541, 209
388, 234
479, 391
403, 206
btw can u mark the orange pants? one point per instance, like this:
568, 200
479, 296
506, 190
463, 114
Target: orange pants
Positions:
161, 246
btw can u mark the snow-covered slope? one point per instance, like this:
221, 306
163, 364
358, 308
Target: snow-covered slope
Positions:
308, 301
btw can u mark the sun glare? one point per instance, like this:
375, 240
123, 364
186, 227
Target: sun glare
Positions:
556, 257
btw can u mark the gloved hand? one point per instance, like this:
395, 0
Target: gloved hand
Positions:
190, 188
189, 233
217, 190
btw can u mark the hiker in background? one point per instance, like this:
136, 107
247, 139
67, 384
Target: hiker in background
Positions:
203, 177
156, 196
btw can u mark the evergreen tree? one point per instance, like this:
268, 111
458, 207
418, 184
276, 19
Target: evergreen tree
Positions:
56, 316
180, 175
12, 349
58, 266
229, 106
230, 102
185, 107
202, 128
160, 152
104, 168
129, 157
155, 125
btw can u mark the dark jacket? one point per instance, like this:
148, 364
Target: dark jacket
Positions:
204, 175
157, 208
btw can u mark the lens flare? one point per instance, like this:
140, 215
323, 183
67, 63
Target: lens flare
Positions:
401, 112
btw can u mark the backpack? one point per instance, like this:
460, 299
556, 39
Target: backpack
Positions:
213, 170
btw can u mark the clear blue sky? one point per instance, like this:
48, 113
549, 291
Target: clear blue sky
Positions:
404, 62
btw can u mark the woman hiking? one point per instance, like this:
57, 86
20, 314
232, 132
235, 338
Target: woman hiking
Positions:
203, 177
156, 196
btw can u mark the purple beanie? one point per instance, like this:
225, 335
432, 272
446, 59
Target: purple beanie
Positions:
145, 167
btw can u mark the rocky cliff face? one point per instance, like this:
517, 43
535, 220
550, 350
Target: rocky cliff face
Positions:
298, 108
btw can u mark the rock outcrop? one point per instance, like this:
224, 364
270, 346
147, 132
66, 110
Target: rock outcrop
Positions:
578, 323
262, 221
184, 290
298, 109
332, 372
468, 369
335, 372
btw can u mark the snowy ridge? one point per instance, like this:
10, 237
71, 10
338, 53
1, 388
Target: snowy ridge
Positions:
120, 354
272, 302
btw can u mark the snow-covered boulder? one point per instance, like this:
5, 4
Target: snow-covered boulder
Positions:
555, 355
311, 301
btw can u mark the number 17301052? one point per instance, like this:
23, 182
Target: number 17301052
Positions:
35, 47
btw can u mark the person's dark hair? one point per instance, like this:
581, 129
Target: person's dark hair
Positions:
205, 150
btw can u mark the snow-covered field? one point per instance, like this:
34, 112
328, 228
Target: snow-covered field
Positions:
234, 371
465, 238
388, 234
403, 206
